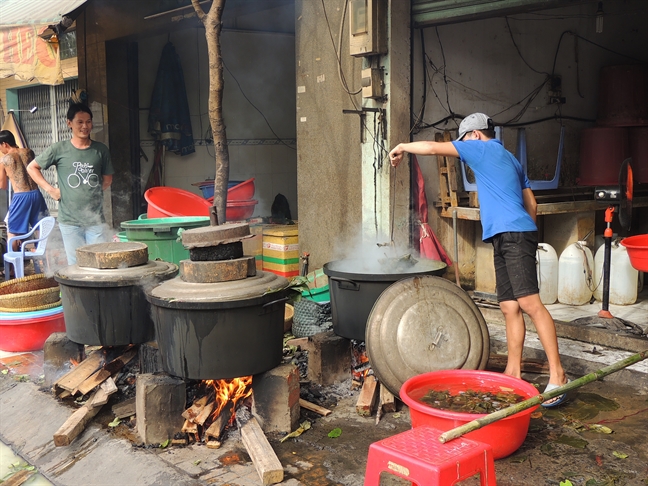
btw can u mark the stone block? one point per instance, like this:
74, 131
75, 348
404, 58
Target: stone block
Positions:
329, 358
159, 403
276, 398
58, 350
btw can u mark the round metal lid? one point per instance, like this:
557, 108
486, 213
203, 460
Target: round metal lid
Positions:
423, 324
114, 277
177, 293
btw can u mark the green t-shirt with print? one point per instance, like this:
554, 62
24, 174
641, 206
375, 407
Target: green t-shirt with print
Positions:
80, 173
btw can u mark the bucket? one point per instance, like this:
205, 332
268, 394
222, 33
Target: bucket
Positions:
623, 96
547, 270
638, 137
623, 278
602, 150
505, 436
161, 235
575, 278
637, 251
172, 202
28, 331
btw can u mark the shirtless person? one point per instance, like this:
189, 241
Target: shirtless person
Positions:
27, 205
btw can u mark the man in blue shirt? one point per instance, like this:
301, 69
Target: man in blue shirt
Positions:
508, 213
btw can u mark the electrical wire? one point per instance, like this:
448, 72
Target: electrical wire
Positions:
518, 49
445, 78
254, 106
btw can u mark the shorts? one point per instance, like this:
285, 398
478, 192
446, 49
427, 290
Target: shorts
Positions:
514, 254
25, 210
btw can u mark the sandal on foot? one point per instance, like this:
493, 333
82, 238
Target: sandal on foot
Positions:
555, 401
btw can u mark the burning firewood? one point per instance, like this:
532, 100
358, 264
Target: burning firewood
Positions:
192, 412
215, 430
189, 427
325, 412
77, 375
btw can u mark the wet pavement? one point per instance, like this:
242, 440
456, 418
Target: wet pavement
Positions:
597, 439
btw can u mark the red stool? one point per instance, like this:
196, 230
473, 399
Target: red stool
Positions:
418, 456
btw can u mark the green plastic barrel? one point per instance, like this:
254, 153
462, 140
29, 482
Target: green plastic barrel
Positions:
162, 235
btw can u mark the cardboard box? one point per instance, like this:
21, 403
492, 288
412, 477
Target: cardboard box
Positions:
281, 249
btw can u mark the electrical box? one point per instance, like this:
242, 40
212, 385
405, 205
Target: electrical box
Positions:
372, 83
367, 27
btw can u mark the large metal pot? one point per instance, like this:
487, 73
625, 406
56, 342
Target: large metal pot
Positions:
209, 331
356, 284
108, 307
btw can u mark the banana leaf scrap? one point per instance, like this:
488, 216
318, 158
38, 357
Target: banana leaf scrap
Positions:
470, 401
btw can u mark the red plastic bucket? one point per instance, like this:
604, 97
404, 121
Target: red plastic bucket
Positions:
238, 210
505, 436
164, 202
241, 192
29, 334
637, 251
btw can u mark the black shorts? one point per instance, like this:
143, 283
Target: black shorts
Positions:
515, 264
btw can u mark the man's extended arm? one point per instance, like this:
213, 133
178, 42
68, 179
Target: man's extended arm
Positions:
445, 149
3, 176
530, 203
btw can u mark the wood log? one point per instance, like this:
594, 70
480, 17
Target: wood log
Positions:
18, 479
314, 408
204, 413
74, 425
77, 375
109, 386
124, 409
92, 382
213, 444
150, 359
106, 389
497, 362
189, 427
367, 398
179, 442
216, 428
118, 363
192, 412
263, 456
387, 400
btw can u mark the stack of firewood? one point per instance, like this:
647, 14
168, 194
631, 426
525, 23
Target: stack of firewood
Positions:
94, 377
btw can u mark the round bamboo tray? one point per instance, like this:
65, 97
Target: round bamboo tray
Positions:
32, 309
31, 293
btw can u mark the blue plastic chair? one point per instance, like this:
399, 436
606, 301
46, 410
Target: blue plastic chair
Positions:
17, 258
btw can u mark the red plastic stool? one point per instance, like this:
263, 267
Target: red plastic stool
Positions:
418, 456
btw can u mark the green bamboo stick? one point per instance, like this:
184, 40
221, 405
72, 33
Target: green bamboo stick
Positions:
542, 397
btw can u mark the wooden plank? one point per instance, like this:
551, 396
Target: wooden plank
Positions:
263, 456
215, 430
106, 389
368, 395
109, 386
204, 413
124, 409
189, 427
92, 382
387, 400
77, 375
118, 363
192, 412
18, 479
314, 408
74, 425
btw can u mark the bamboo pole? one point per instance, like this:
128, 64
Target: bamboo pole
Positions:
542, 397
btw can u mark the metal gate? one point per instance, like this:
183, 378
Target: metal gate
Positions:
47, 125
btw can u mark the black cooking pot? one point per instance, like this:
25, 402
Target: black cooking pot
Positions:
210, 331
356, 284
108, 307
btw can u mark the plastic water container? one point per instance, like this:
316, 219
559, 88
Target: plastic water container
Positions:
623, 277
575, 274
547, 270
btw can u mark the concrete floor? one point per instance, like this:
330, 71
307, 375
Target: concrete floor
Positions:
560, 445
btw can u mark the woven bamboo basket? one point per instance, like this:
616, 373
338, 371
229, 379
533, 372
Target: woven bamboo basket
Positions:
31, 293
32, 309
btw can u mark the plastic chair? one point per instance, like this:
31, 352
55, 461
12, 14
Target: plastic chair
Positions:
17, 258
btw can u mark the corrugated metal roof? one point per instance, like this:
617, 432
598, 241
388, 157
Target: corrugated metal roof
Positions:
24, 12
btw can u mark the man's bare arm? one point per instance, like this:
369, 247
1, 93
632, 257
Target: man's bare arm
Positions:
106, 181
36, 174
445, 149
530, 203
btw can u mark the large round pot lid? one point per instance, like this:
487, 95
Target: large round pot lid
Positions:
77, 276
178, 294
423, 324
382, 270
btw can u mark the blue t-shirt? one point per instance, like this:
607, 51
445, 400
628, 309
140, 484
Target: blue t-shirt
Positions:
500, 182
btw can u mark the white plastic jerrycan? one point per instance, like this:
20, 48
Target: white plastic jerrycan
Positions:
575, 274
547, 269
623, 277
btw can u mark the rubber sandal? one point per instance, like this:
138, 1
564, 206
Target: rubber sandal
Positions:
555, 401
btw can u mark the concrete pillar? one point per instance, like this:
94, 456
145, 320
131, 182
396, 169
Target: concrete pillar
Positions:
276, 398
159, 403
329, 358
58, 350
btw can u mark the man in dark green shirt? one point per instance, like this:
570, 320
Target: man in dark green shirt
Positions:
84, 171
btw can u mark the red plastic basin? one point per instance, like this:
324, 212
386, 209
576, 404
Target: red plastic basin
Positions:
238, 210
505, 436
164, 202
637, 251
29, 334
241, 192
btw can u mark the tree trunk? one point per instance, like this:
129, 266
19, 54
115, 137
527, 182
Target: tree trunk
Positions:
213, 27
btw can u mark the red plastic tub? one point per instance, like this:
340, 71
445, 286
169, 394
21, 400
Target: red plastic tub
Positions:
29, 334
637, 251
505, 436
164, 202
238, 210
241, 192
